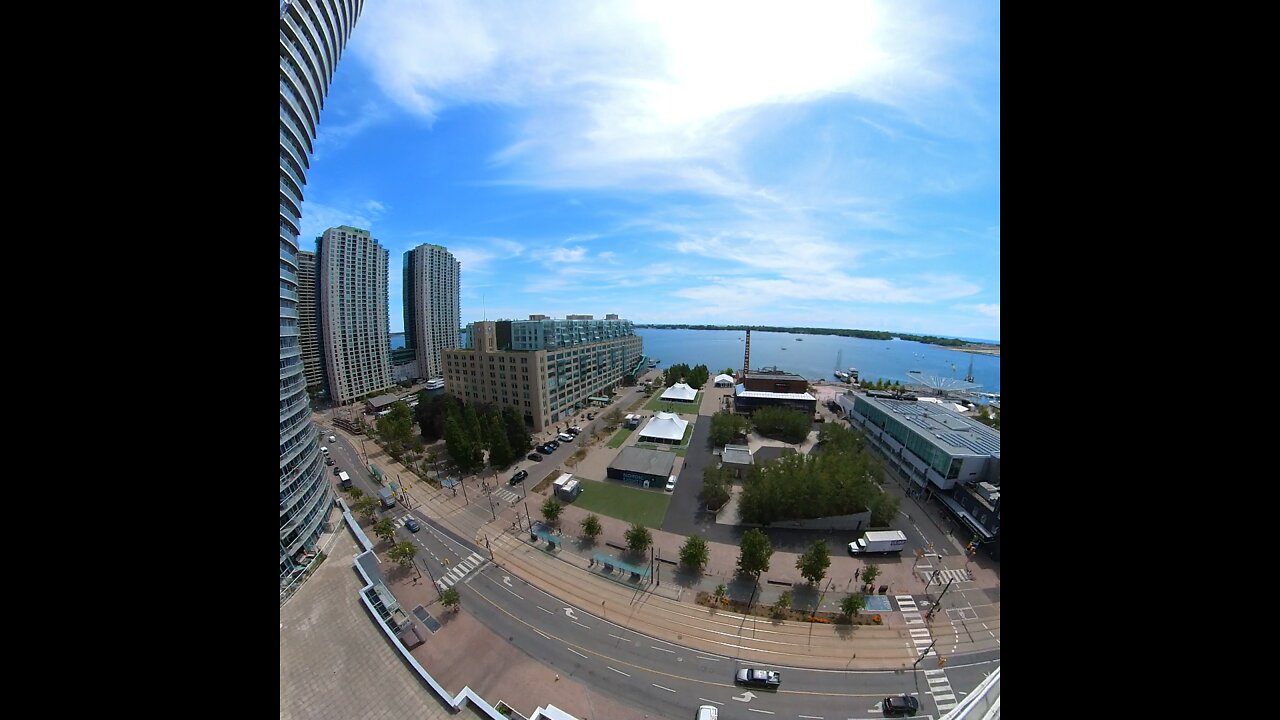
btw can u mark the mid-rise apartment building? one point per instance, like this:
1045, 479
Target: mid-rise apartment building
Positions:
352, 269
545, 368
432, 306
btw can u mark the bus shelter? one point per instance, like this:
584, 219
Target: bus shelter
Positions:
610, 562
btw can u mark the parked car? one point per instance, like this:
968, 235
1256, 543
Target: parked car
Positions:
708, 712
329, 461
763, 679
566, 437
553, 444
671, 484
592, 416
412, 525
900, 705
546, 449
336, 469
518, 477
333, 438
574, 430
534, 457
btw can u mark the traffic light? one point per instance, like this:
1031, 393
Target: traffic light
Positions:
942, 661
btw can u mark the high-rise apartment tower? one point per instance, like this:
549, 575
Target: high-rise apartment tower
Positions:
313, 34
431, 306
352, 290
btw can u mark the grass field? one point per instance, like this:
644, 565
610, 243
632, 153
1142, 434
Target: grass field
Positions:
620, 437
656, 403
614, 499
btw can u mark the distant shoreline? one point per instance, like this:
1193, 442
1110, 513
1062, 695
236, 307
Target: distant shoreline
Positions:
949, 343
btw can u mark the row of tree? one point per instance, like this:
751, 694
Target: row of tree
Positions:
725, 426
471, 429
836, 479
786, 424
989, 416
694, 377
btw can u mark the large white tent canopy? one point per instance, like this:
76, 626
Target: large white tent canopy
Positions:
722, 378
665, 427
681, 392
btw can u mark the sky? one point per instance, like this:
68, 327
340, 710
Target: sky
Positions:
762, 163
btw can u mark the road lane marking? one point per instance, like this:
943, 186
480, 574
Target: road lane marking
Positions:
664, 688
542, 633
655, 647
717, 702
575, 652
575, 622
544, 610
618, 638
812, 717
704, 657
617, 671
766, 712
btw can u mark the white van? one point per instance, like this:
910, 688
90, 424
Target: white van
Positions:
324, 450
708, 712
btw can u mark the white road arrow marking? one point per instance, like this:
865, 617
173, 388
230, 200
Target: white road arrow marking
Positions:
746, 696
507, 579
569, 613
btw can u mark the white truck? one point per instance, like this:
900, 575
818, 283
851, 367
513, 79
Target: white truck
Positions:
879, 541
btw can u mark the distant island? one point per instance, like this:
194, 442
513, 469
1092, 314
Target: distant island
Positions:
954, 343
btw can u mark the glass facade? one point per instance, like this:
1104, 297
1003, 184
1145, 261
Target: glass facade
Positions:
312, 36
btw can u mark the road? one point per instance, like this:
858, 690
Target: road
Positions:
665, 679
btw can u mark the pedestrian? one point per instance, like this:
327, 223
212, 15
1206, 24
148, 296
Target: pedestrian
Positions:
857, 573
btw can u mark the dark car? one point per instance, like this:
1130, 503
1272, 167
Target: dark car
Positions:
546, 449
763, 679
553, 444
518, 477
901, 705
534, 457
412, 525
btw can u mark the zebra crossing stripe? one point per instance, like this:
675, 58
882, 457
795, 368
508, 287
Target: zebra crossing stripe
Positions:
475, 557
919, 632
455, 575
912, 618
465, 566
942, 681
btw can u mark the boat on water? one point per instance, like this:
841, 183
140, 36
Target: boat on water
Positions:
799, 339
842, 375
784, 348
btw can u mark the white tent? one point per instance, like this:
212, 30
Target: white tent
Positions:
681, 392
723, 380
664, 427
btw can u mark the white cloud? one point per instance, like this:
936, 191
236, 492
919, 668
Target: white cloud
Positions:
317, 218
649, 94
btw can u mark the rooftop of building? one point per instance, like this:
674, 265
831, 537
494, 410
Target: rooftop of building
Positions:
772, 373
946, 428
736, 454
742, 391
645, 461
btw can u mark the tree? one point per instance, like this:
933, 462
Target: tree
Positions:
813, 563
396, 427
355, 493
870, 573
884, 509
720, 592
694, 553
385, 530
852, 603
591, 527
728, 371
638, 538
551, 509
450, 598
753, 557
787, 424
368, 507
782, 605
518, 439
715, 491
725, 426
499, 448
403, 552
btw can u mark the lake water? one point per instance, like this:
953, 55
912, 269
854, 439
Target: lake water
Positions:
814, 356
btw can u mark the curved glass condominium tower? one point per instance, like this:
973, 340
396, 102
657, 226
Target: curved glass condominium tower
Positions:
312, 36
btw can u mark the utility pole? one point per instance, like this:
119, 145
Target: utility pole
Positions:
462, 482
433, 579
926, 652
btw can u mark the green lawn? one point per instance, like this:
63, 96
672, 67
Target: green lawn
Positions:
656, 403
631, 504
620, 437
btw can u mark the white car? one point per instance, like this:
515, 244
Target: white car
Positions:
565, 437
671, 483
324, 450
333, 438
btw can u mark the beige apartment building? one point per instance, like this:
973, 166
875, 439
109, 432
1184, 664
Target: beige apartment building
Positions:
547, 369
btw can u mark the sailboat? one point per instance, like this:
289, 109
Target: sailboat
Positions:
840, 359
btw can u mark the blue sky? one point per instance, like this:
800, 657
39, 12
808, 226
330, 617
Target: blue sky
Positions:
795, 164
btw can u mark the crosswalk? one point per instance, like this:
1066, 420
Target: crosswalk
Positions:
910, 611
940, 687
944, 576
509, 496
460, 569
